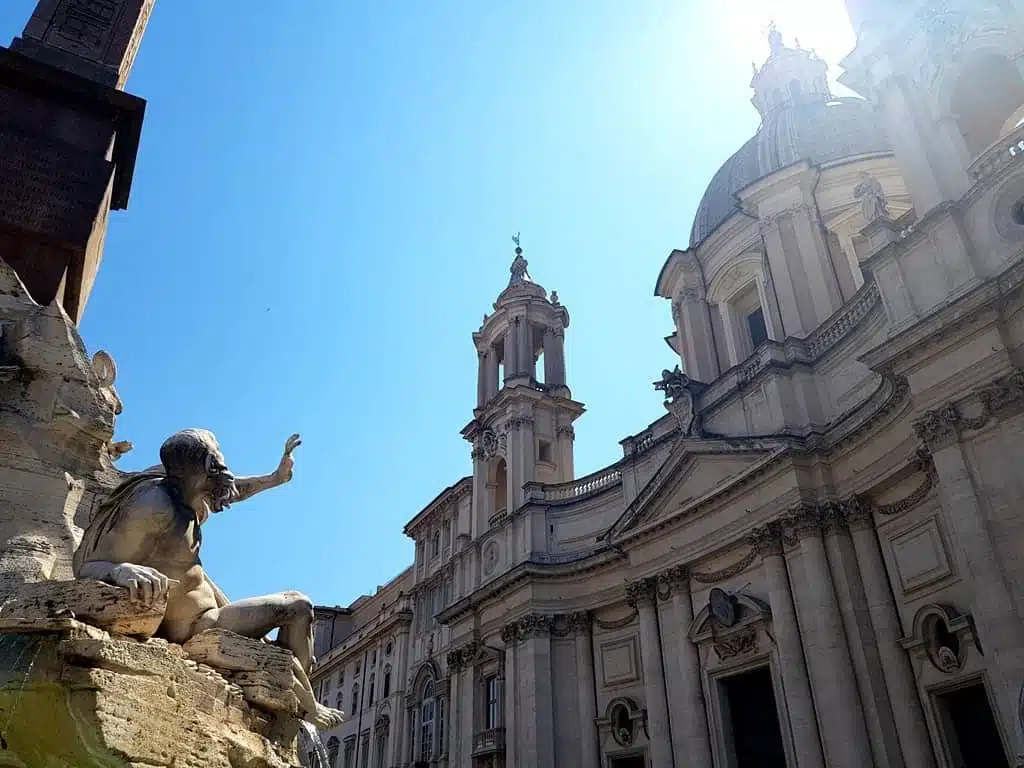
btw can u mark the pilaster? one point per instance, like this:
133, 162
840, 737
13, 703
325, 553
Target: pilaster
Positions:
803, 726
908, 718
535, 716
687, 715
643, 595
840, 713
580, 625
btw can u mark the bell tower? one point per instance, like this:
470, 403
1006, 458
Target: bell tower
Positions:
522, 425
69, 135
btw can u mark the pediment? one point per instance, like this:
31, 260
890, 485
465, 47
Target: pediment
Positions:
695, 472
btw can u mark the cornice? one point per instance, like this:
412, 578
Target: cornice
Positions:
334, 656
947, 321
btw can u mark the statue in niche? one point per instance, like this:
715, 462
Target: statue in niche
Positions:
873, 204
146, 538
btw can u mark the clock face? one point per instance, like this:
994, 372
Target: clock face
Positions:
722, 607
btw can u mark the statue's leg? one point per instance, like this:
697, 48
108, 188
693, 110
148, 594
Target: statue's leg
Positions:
290, 612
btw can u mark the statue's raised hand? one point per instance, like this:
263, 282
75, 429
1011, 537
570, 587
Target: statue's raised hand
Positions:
284, 470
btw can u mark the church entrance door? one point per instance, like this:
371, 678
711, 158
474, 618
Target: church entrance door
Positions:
970, 727
754, 720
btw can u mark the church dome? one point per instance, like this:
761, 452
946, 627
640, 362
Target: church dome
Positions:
800, 121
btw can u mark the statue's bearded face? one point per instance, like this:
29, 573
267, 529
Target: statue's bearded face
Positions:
220, 483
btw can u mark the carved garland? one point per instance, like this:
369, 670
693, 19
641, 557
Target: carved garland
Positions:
942, 426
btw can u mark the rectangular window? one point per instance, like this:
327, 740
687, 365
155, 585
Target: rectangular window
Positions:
758, 330
350, 753
364, 756
492, 703
544, 451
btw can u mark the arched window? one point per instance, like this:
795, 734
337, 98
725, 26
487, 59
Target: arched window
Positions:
435, 548
387, 681
373, 679
355, 698
333, 747
339, 700
427, 704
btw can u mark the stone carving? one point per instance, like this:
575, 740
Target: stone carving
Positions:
873, 204
642, 591
622, 725
490, 557
146, 538
941, 426
531, 625
679, 400
739, 643
722, 606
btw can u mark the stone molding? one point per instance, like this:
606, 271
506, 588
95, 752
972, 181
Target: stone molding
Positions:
566, 430
530, 626
943, 426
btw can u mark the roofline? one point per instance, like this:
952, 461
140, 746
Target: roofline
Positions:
659, 291
435, 502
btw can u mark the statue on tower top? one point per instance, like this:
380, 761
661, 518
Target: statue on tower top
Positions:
775, 43
519, 265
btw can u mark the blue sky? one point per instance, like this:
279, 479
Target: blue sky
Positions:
322, 212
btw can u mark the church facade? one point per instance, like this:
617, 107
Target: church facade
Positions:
814, 558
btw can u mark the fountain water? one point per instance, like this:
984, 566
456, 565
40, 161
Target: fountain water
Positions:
313, 752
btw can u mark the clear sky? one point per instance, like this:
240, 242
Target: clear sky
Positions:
323, 209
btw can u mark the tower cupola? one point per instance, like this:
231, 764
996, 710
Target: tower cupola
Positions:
527, 327
790, 77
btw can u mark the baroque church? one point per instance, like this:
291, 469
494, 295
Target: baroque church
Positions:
814, 557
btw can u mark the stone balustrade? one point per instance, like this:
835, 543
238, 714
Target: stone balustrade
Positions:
1009, 149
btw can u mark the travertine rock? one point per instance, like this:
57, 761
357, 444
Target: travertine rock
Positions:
262, 671
101, 605
77, 697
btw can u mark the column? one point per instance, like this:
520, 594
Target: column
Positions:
586, 692
549, 356
511, 352
529, 454
693, 321
454, 714
867, 667
796, 687
493, 384
533, 654
554, 357
481, 379
818, 270
643, 595
393, 755
689, 724
510, 636
565, 434
785, 275
899, 676
992, 605
843, 731
526, 366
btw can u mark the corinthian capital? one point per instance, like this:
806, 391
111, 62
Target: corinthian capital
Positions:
642, 591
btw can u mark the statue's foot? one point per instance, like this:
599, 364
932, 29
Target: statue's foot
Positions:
325, 718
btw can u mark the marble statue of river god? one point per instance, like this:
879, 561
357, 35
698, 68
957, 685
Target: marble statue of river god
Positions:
146, 537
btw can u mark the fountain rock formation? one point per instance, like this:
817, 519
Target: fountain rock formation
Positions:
83, 679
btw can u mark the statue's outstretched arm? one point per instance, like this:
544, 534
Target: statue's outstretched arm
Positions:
250, 486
